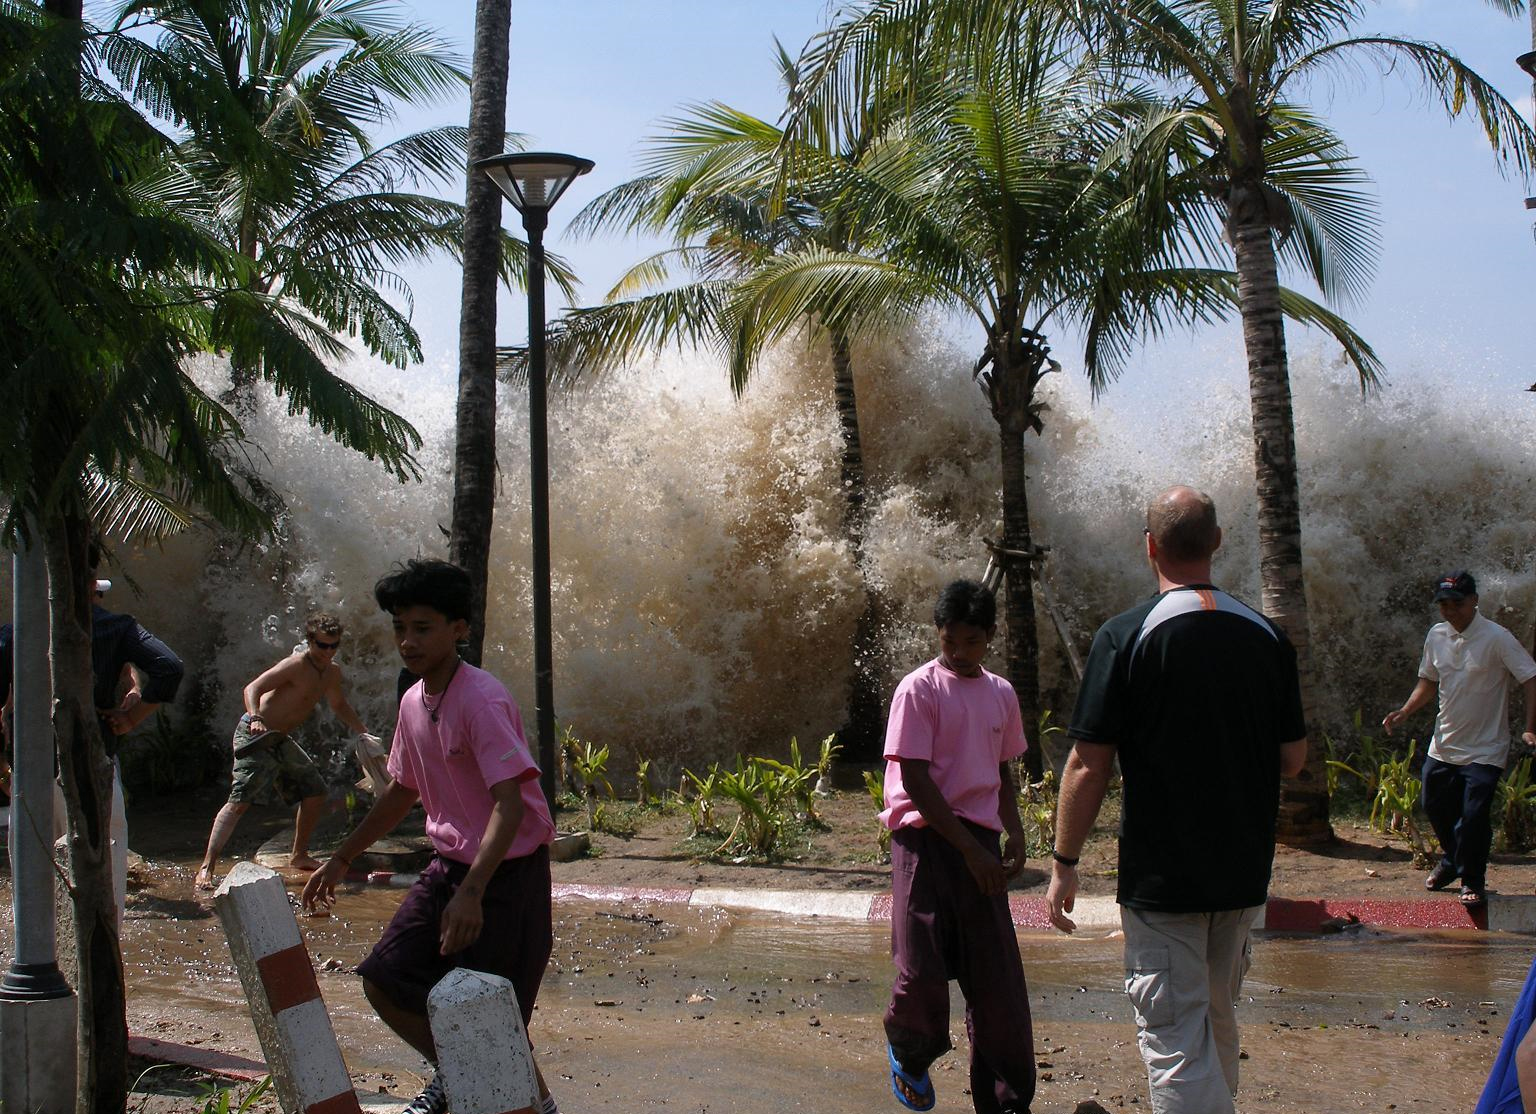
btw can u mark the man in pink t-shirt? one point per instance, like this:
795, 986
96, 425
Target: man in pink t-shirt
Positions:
949, 794
484, 900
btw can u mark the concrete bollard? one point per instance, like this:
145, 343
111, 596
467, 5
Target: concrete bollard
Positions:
482, 1049
279, 981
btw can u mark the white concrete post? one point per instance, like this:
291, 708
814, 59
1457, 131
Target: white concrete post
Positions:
482, 1050
279, 980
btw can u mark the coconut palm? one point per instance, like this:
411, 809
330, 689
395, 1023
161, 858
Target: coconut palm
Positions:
474, 448
714, 183
1014, 204
1235, 147
279, 102
111, 288
1247, 170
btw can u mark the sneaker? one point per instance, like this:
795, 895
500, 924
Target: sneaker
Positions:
432, 1100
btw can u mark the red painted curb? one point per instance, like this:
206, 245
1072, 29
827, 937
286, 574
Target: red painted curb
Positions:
1285, 914
224, 1064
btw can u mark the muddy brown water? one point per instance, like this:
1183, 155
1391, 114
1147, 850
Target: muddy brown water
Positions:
711, 1010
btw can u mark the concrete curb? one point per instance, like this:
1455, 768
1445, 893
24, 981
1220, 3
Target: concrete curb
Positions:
1514, 913
1504, 912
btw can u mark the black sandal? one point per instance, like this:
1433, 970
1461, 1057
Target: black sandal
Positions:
1441, 877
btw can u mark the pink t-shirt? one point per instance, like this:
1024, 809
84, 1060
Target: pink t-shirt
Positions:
965, 728
477, 742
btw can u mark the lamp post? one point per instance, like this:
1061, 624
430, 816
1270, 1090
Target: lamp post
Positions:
533, 182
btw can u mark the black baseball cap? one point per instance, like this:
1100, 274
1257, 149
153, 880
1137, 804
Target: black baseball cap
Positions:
1457, 585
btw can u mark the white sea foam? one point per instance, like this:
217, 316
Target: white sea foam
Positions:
704, 602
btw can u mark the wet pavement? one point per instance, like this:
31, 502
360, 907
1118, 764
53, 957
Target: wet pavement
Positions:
710, 1010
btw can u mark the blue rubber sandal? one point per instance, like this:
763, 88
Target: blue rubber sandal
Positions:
922, 1088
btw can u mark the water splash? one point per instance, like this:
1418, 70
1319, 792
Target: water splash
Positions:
704, 603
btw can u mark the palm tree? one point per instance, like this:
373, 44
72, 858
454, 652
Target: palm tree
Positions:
474, 449
1259, 172
1013, 204
714, 182
277, 101
111, 288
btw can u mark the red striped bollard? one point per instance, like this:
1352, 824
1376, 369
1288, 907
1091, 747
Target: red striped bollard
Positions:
279, 980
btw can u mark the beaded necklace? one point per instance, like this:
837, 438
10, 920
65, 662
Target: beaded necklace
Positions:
434, 708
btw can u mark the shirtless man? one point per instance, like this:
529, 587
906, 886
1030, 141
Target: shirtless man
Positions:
268, 764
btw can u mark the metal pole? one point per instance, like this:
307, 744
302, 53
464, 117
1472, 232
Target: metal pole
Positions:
34, 972
535, 221
37, 1008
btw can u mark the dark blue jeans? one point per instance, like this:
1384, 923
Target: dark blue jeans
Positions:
1458, 801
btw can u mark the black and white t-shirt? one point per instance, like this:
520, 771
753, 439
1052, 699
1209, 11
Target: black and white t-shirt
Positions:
1197, 691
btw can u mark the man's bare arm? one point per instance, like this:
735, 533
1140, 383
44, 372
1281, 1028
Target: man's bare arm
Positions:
339, 704
1528, 694
269, 681
1008, 813
463, 916
925, 795
1083, 785
1293, 756
386, 812
1422, 694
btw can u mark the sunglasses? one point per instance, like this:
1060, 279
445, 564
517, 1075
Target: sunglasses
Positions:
326, 645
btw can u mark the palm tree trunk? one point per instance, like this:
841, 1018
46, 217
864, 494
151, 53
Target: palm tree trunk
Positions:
86, 774
474, 451
1022, 645
862, 734
1304, 817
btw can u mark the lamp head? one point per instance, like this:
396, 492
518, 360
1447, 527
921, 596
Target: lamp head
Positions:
535, 180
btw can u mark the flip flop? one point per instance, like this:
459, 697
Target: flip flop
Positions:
1472, 899
1441, 877
922, 1088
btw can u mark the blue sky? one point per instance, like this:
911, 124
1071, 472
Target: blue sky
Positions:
592, 77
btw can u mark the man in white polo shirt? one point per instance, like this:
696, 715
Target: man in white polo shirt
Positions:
1469, 661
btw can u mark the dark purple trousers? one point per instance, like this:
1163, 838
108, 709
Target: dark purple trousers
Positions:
943, 928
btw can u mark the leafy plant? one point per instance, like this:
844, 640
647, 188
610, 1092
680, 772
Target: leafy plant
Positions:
799, 780
219, 1099
759, 786
1397, 791
1365, 761
591, 766
643, 782
701, 805
874, 784
1517, 809
1037, 808
830, 749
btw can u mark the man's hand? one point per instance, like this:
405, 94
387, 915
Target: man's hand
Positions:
1529, 739
320, 890
462, 920
1014, 856
987, 871
127, 715
1392, 719
1062, 895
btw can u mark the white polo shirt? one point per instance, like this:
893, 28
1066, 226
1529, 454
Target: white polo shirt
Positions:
1472, 669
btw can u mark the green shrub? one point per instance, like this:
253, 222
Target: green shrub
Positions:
874, 785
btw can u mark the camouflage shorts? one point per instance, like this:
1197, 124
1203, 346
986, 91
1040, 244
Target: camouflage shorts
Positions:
270, 768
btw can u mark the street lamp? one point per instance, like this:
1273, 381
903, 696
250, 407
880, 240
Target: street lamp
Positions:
533, 182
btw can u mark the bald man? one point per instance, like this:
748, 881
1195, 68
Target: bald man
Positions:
1197, 695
